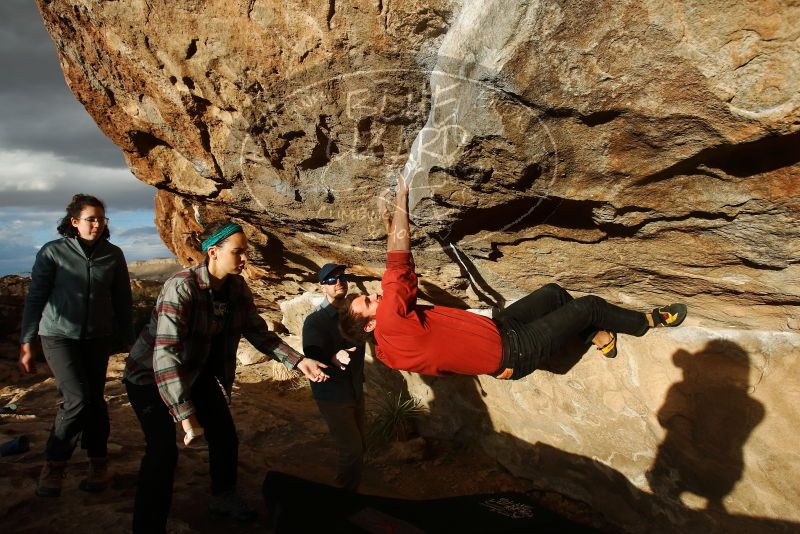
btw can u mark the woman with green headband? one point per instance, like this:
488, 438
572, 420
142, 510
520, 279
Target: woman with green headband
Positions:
177, 365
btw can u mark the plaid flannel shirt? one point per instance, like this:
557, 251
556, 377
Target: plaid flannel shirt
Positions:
174, 347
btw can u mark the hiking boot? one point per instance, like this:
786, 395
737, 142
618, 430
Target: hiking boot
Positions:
51, 479
98, 477
231, 505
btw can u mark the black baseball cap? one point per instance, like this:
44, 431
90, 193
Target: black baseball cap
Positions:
327, 269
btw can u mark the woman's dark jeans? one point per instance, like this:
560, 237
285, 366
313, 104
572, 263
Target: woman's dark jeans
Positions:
536, 326
79, 367
157, 470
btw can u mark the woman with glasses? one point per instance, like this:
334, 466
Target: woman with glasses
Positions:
79, 303
182, 367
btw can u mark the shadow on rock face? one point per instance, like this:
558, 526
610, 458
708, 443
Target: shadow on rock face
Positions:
433, 293
708, 417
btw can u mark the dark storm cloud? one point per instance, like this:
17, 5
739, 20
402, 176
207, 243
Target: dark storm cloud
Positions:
40, 180
37, 109
119, 199
27, 54
51, 149
58, 124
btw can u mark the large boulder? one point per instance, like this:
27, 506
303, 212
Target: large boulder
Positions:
645, 151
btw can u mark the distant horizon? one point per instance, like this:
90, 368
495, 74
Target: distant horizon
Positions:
154, 259
129, 262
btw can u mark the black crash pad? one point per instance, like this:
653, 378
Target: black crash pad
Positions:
298, 505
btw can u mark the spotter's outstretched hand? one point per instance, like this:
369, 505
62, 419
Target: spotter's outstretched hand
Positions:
312, 369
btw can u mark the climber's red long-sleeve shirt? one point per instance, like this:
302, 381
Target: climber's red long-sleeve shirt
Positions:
431, 340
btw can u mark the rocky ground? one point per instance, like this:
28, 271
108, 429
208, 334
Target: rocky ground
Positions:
280, 428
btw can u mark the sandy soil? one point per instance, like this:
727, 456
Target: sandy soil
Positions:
279, 426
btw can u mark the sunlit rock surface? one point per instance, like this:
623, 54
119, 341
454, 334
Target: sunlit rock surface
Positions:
645, 151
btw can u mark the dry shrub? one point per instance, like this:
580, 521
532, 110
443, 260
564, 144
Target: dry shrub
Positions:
291, 379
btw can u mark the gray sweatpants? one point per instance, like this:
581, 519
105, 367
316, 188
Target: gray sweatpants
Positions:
346, 425
79, 367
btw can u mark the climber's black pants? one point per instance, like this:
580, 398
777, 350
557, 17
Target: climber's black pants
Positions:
536, 326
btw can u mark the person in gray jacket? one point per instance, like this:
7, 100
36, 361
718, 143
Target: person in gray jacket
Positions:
79, 303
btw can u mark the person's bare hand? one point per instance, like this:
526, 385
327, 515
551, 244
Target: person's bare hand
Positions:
27, 358
402, 185
191, 426
312, 369
342, 358
385, 209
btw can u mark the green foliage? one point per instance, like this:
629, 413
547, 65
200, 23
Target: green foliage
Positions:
393, 419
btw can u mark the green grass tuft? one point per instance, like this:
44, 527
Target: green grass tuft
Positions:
393, 419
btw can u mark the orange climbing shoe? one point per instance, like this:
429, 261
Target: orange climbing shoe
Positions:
672, 315
609, 350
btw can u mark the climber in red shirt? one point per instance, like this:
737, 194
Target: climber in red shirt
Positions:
436, 340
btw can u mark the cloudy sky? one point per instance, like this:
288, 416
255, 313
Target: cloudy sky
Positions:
51, 149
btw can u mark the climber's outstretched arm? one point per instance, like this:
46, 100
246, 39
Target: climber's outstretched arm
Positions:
399, 238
